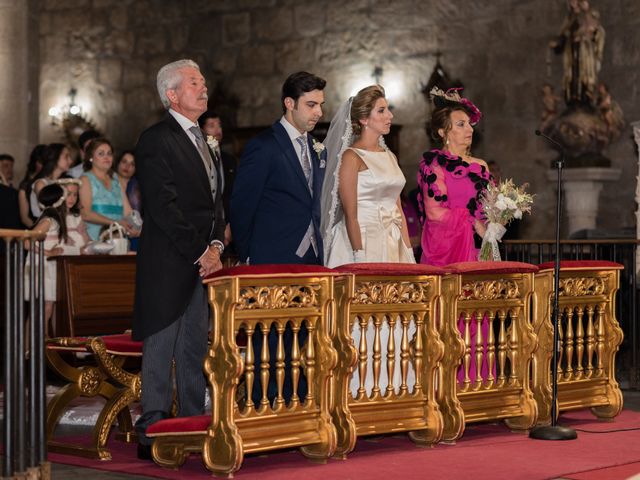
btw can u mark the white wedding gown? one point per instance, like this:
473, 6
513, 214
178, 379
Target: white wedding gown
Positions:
380, 222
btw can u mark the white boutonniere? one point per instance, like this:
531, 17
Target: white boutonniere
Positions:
318, 146
212, 142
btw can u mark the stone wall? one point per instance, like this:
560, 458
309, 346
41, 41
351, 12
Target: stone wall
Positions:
110, 51
18, 80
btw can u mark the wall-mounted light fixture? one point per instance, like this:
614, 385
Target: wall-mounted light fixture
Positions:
59, 113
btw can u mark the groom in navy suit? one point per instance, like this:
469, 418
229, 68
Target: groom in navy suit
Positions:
275, 205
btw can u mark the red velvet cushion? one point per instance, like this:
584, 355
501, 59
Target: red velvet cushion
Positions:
176, 426
122, 344
296, 270
490, 267
389, 269
582, 265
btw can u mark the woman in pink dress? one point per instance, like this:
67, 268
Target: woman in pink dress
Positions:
451, 183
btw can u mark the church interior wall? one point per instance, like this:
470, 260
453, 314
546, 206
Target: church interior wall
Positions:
110, 51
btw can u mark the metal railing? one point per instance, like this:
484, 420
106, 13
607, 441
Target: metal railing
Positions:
622, 251
23, 406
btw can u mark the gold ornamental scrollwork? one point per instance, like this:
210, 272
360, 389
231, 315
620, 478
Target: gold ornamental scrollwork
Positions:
490, 290
278, 296
89, 381
580, 287
368, 293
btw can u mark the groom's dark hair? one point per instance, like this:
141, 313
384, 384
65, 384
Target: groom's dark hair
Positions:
298, 83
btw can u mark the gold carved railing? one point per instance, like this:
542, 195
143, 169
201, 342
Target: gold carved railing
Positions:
270, 308
385, 331
589, 338
491, 302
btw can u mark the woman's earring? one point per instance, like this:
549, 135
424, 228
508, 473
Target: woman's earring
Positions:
447, 142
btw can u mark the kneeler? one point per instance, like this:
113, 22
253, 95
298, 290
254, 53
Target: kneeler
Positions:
589, 338
497, 298
106, 378
386, 338
253, 299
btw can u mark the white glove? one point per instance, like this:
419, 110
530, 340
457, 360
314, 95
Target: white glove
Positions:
359, 256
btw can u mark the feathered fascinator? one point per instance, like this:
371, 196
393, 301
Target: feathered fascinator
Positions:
452, 97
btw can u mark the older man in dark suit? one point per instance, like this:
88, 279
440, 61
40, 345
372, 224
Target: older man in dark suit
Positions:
181, 240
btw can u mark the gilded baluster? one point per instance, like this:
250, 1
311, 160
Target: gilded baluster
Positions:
600, 341
264, 366
502, 349
479, 349
591, 342
391, 355
568, 346
579, 341
362, 356
377, 356
467, 351
280, 365
310, 361
295, 363
491, 350
561, 344
514, 346
418, 354
249, 367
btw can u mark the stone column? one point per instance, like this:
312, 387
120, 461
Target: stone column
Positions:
18, 81
581, 194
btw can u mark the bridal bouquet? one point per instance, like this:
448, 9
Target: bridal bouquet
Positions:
501, 204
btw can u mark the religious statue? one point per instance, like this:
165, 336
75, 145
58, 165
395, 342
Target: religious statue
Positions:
581, 43
550, 102
610, 112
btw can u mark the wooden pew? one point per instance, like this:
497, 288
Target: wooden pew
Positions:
94, 294
94, 307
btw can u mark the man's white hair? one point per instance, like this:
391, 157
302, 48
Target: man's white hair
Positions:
169, 77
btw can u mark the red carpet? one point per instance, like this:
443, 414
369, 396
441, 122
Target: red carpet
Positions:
486, 452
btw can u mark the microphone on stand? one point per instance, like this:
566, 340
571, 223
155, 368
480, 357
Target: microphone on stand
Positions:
555, 431
549, 139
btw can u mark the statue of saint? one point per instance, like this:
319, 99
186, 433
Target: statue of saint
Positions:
581, 43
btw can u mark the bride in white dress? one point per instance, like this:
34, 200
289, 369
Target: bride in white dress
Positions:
362, 218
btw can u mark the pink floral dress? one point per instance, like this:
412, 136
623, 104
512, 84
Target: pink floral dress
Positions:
449, 200
450, 190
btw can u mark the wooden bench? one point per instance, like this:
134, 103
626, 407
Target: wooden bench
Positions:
94, 306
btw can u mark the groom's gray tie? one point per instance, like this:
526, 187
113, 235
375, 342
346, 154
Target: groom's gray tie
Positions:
304, 160
309, 239
206, 158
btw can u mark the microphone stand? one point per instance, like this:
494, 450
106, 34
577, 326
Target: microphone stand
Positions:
555, 431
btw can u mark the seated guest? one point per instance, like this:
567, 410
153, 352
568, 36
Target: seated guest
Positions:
211, 125
34, 166
125, 167
102, 199
83, 142
56, 162
6, 169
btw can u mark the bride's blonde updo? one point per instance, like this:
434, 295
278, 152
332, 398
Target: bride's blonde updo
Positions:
362, 105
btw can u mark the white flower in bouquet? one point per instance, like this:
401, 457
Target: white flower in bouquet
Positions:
501, 204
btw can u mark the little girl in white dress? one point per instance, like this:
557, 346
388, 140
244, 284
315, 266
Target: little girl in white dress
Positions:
66, 235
